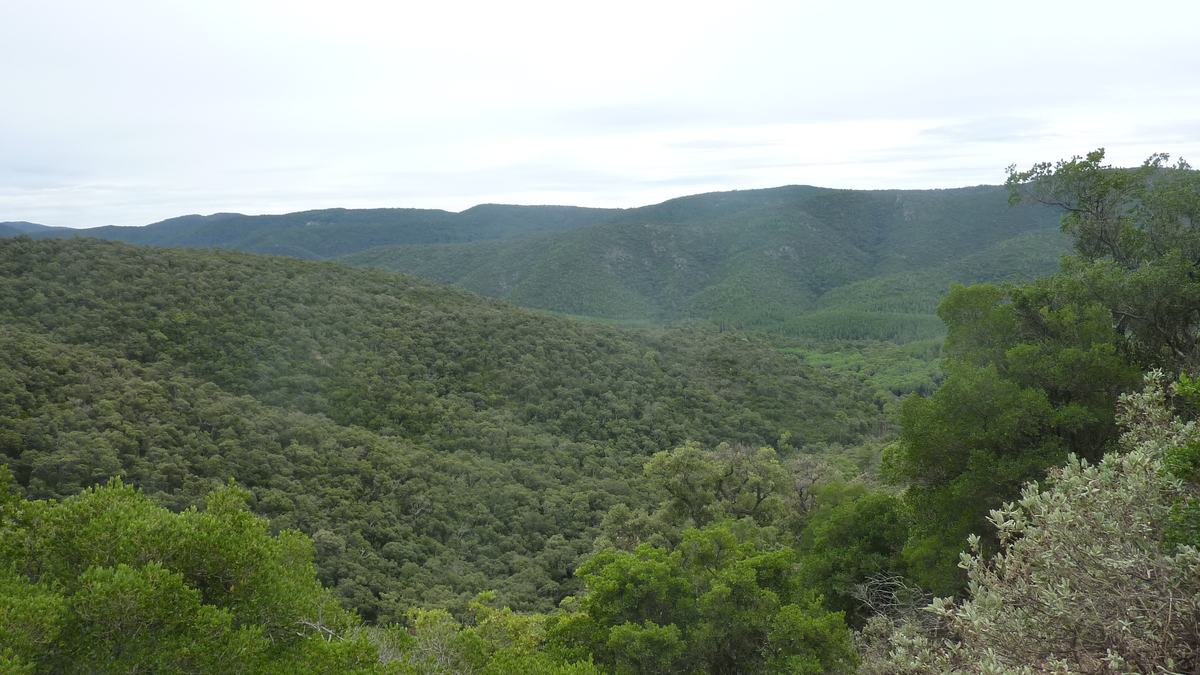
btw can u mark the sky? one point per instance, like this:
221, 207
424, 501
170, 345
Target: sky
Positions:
126, 112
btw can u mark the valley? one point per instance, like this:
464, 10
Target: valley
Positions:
703, 436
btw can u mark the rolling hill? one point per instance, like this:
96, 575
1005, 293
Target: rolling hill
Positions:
14, 228
796, 261
433, 443
327, 233
800, 261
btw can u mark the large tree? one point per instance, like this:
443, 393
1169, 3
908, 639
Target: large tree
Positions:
1137, 236
1033, 371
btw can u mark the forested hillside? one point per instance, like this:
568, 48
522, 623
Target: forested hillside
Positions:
434, 443
327, 233
491, 489
794, 261
16, 228
797, 261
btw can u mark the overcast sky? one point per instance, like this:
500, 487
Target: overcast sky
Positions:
129, 111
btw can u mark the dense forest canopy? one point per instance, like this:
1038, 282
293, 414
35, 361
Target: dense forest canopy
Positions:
435, 444
108, 581
797, 261
328, 469
326, 233
794, 261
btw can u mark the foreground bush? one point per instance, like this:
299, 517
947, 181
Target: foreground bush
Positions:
107, 581
1099, 570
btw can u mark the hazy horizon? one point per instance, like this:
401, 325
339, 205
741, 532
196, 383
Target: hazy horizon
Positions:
135, 111
434, 208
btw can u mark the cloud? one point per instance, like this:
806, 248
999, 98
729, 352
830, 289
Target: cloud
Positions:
721, 144
137, 110
1002, 129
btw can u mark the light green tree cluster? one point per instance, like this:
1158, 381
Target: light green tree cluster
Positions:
490, 640
714, 604
747, 564
107, 581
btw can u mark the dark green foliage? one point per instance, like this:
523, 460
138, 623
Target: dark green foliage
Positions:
432, 443
1183, 464
843, 533
107, 581
1137, 233
1029, 380
1034, 371
852, 535
1128, 216
331, 232
714, 603
797, 261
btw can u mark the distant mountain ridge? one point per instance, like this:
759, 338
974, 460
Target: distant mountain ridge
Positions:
15, 228
796, 260
802, 261
326, 233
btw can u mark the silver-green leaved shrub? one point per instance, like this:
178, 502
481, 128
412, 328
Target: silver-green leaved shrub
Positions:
1085, 581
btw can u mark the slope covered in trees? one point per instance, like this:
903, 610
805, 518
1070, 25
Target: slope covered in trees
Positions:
16, 228
327, 233
800, 261
433, 443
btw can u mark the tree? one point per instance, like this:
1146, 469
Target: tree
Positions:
1137, 235
108, 581
1031, 377
698, 487
729, 482
855, 534
713, 604
1130, 216
1034, 371
491, 640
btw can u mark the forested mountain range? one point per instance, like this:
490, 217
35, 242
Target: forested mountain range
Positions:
15, 228
798, 261
661, 500
327, 233
434, 443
